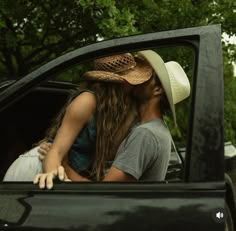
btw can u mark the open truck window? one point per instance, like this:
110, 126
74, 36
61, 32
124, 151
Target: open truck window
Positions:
195, 195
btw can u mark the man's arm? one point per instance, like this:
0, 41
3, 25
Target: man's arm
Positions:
72, 174
132, 159
114, 174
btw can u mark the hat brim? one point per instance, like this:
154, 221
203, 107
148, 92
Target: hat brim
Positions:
160, 69
136, 75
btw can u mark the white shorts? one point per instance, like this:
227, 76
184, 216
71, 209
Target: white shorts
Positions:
25, 167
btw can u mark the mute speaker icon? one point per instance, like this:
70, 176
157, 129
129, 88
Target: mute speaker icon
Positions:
219, 215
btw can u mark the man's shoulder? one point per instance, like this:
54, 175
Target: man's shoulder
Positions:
155, 128
153, 125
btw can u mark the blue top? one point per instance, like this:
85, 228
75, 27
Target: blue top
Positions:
81, 154
82, 151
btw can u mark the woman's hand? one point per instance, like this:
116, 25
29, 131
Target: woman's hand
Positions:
46, 179
44, 149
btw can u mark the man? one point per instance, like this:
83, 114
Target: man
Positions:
144, 154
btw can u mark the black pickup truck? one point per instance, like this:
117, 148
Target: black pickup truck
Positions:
196, 195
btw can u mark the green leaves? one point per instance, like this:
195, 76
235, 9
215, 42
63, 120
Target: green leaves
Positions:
33, 32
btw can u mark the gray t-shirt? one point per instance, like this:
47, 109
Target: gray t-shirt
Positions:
145, 152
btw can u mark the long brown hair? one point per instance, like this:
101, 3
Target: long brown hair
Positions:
115, 113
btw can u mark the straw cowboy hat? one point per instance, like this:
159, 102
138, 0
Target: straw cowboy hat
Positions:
120, 68
125, 68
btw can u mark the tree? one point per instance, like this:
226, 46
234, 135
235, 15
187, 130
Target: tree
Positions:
151, 15
33, 32
229, 104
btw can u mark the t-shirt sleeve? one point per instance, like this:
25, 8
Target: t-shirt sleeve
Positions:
138, 152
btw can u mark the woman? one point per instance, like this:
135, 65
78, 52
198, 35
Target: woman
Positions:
107, 108
91, 113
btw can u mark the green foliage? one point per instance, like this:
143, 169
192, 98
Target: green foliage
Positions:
33, 32
229, 98
230, 109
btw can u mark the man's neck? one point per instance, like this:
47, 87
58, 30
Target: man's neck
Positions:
149, 111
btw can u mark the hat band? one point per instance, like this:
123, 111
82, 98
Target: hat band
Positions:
125, 69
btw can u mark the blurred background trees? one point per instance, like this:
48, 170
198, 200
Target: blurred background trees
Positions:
33, 32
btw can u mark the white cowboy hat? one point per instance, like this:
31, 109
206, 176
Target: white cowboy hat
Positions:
172, 77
